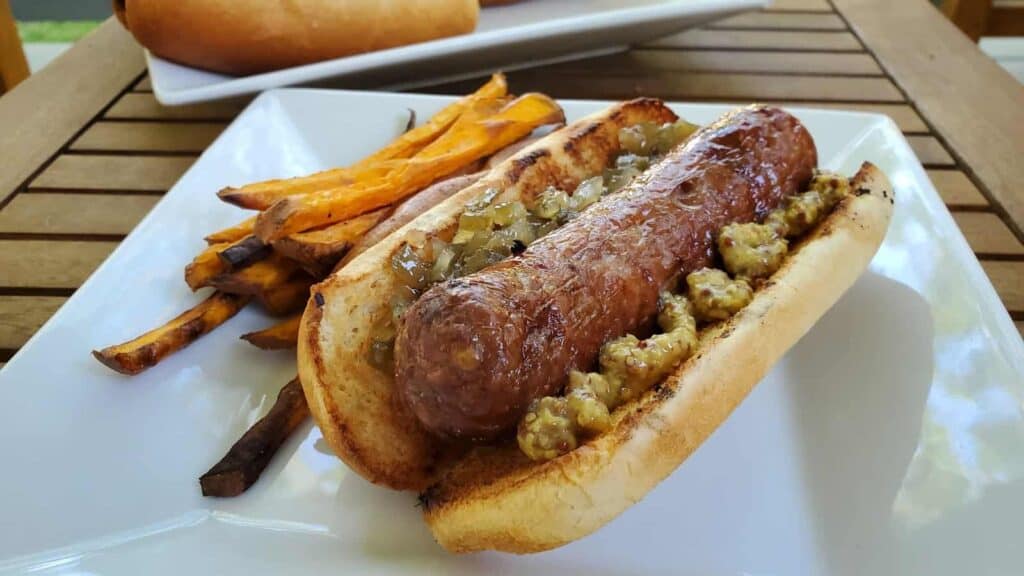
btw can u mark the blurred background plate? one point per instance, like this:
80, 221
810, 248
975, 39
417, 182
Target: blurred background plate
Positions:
526, 33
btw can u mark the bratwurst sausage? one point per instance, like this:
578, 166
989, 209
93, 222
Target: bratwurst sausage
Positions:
473, 352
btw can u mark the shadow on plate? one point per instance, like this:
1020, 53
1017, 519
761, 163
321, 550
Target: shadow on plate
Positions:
859, 433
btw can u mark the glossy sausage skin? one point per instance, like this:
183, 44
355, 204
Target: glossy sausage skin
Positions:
473, 352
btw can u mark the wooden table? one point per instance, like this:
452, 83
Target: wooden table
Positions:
85, 149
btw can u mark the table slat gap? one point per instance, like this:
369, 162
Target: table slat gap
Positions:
93, 192
36, 291
63, 236
130, 153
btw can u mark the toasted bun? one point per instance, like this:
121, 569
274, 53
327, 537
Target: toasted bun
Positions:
495, 498
252, 36
354, 403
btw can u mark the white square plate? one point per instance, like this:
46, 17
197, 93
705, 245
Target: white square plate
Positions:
527, 33
887, 441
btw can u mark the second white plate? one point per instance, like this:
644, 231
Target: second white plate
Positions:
527, 33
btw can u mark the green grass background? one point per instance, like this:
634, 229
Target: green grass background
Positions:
45, 32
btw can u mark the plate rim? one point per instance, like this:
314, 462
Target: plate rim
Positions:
907, 159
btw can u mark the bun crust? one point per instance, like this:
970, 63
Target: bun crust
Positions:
252, 36
496, 499
355, 404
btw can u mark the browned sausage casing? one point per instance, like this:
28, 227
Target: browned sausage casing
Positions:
473, 352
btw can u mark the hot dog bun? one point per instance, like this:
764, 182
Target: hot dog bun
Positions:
251, 36
497, 499
494, 497
354, 403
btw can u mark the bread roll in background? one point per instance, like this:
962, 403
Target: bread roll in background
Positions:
251, 36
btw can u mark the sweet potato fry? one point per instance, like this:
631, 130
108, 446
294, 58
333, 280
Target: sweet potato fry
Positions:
243, 252
280, 336
149, 349
271, 272
317, 251
233, 233
288, 297
245, 461
410, 143
206, 266
466, 141
262, 195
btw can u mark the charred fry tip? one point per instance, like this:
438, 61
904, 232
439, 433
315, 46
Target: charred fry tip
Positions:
244, 252
240, 199
224, 484
241, 467
109, 361
412, 120
263, 342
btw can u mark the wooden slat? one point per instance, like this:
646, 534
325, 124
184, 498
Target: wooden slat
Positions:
1020, 328
144, 84
148, 136
966, 96
987, 234
138, 106
98, 172
833, 63
930, 151
800, 6
21, 316
74, 87
761, 40
701, 85
956, 188
46, 213
782, 20
1006, 277
49, 263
